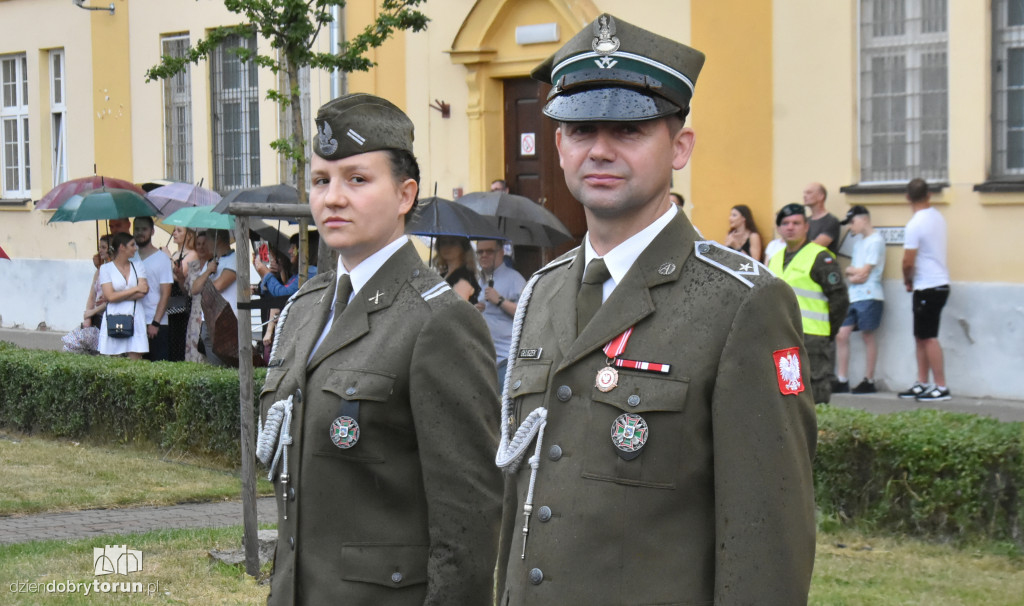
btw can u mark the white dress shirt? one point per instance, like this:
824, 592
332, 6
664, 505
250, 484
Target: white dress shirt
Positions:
621, 258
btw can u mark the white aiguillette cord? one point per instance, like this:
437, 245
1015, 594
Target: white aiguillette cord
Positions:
512, 448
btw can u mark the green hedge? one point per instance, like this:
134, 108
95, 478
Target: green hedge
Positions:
922, 472
179, 405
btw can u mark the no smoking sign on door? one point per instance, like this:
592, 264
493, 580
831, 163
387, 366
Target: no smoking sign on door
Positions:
527, 144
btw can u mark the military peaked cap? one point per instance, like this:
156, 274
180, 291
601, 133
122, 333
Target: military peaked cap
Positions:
614, 71
358, 123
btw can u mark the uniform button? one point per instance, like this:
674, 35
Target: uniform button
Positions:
291, 494
291, 543
704, 249
351, 391
415, 273
555, 452
536, 576
517, 384
633, 400
564, 393
396, 577
544, 513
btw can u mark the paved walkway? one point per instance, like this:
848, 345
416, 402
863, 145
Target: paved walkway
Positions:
100, 522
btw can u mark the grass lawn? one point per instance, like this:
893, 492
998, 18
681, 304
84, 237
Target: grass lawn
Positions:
875, 571
44, 475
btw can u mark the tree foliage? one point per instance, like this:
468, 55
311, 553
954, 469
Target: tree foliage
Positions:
292, 28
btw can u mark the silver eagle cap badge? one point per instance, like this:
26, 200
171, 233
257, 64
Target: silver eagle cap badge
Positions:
605, 42
328, 144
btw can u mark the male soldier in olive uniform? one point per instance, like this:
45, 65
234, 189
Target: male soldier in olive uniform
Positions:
385, 490
811, 270
657, 433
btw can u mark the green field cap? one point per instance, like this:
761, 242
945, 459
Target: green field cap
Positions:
614, 71
359, 123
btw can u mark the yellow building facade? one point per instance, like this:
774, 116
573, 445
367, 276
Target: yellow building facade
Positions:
784, 99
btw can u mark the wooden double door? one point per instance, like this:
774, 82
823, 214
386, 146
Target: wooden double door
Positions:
532, 169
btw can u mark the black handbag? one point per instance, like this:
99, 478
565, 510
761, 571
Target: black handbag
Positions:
122, 326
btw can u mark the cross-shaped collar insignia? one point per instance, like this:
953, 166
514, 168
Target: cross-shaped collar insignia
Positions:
375, 299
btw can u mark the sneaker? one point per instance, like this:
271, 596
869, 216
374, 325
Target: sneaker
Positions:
934, 394
865, 386
840, 387
915, 390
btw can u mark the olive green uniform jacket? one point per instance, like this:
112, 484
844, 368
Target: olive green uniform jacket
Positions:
718, 508
409, 514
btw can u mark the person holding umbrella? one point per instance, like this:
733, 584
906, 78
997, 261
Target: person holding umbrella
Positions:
124, 285
379, 395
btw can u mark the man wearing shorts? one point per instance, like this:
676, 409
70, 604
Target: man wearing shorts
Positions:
926, 275
864, 276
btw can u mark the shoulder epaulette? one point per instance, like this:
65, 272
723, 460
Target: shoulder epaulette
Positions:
562, 260
732, 262
435, 290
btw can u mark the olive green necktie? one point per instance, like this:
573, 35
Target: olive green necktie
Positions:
588, 300
342, 296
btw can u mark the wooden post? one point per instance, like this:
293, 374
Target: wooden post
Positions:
250, 533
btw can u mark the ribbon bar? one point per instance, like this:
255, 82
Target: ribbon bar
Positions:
646, 366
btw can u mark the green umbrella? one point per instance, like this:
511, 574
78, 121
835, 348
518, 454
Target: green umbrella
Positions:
200, 217
103, 204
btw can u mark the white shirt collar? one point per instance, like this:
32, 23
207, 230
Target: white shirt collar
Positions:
622, 257
362, 273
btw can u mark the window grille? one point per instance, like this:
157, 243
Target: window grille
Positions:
178, 114
235, 116
58, 117
287, 164
904, 122
15, 173
1008, 88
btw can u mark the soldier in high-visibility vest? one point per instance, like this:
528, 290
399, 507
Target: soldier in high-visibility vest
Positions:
811, 270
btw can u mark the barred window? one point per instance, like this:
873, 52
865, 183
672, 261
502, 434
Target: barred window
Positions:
15, 175
58, 117
904, 89
1008, 88
235, 116
177, 114
288, 165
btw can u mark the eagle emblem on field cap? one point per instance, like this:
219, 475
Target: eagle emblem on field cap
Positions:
328, 144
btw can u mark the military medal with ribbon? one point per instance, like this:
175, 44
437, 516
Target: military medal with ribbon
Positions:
608, 377
629, 431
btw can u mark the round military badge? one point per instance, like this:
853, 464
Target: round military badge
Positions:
344, 432
629, 433
607, 379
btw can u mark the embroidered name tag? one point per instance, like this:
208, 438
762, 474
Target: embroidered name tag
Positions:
530, 354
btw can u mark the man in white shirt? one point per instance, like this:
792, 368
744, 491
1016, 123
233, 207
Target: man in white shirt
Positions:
926, 275
864, 279
502, 286
160, 274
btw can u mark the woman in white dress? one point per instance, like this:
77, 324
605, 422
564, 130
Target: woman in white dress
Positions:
123, 284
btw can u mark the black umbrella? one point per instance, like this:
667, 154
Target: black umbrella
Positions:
267, 194
439, 217
519, 218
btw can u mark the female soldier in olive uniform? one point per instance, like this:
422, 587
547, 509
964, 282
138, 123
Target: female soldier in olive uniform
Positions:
384, 399
656, 425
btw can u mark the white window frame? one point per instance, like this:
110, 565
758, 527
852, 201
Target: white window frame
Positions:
904, 131
1007, 129
58, 115
15, 172
177, 90
234, 108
